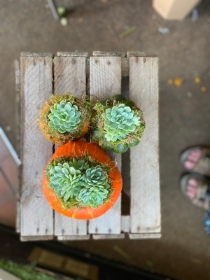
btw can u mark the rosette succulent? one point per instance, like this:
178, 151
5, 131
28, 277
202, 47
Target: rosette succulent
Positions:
84, 182
65, 118
117, 124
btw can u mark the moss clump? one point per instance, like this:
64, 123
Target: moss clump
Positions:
65, 118
117, 124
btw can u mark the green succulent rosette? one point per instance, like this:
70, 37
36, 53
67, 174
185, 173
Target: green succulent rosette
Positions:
79, 182
65, 118
117, 124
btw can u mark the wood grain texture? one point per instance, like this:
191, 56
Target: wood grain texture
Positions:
125, 223
17, 225
72, 54
36, 87
108, 236
136, 54
36, 238
109, 54
17, 75
144, 165
73, 237
70, 76
105, 81
124, 67
144, 235
28, 54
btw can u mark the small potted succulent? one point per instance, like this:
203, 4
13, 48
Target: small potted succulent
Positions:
65, 118
81, 181
117, 124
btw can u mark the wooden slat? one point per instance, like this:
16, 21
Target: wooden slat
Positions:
125, 223
36, 237
144, 165
72, 54
109, 54
136, 54
108, 236
105, 81
70, 76
17, 222
36, 87
73, 237
33, 55
144, 235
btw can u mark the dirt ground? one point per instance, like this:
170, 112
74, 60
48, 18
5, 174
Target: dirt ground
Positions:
183, 252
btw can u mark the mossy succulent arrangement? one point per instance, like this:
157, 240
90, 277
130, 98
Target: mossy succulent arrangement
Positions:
82, 181
65, 118
117, 124
78, 180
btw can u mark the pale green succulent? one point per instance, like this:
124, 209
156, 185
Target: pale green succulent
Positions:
96, 187
119, 122
79, 179
64, 117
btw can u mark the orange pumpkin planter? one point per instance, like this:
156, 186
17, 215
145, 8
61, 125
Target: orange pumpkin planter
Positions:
96, 182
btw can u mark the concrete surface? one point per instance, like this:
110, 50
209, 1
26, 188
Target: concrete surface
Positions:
183, 252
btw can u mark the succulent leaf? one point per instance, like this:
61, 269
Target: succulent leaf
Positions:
78, 179
119, 122
64, 117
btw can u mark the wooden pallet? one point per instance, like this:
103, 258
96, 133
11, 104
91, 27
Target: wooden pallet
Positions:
99, 76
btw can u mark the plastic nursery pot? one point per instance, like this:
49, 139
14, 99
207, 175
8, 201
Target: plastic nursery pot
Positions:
81, 181
117, 124
65, 118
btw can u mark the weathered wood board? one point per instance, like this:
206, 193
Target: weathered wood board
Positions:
105, 81
70, 76
144, 158
36, 87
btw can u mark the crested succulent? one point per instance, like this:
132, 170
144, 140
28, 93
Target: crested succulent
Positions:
65, 118
117, 124
80, 180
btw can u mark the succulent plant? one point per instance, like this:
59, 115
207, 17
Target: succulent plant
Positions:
64, 117
79, 179
117, 124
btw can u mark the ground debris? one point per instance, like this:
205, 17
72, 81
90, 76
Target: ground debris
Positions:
189, 94
127, 32
170, 81
203, 89
164, 30
63, 21
178, 81
197, 80
61, 11
194, 16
